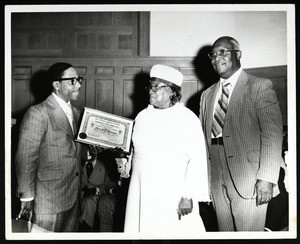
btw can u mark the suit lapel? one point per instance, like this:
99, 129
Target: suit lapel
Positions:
211, 96
98, 175
237, 93
95, 173
58, 116
84, 170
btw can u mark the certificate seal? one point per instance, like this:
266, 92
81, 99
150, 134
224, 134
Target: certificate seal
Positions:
82, 135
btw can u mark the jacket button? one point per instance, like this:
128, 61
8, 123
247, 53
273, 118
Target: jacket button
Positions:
77, 174
20, 194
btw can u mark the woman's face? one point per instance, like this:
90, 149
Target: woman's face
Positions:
160, 94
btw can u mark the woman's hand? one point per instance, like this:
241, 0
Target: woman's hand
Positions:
117, 152
185, 207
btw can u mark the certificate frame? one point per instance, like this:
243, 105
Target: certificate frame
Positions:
105, 129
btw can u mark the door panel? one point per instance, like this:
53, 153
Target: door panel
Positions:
104, 95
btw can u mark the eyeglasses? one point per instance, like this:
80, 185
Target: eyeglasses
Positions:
221, 53
155, 88
73, 80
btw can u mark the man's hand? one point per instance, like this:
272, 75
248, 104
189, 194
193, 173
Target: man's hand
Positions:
185, 207
264, 192
95, 149
26, 210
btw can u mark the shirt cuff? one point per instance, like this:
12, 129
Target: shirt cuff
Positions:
26, 199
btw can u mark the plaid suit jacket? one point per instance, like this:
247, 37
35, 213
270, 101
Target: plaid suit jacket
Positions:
48, 158
252, 132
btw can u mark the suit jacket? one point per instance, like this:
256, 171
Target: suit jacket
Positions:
48, 159
99, 176
252, 132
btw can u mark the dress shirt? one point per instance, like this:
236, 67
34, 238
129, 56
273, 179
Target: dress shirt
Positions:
232, 81
89, 157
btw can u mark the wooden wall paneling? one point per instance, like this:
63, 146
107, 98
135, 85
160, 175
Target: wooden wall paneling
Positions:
104, 95
96, 19
22, 70
130, 87
118, 89
118, 78
128, 104
90, 92
143, 47
132, 39
103, 34
21, 94
190, 84
269, 72
81, 34
188, 89
37, 34
127, 35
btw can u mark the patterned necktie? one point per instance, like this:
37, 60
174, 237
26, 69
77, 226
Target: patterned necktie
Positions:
89, 169
70, 116
220, 111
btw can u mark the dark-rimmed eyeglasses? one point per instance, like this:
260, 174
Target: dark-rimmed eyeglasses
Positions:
221, 53
73, 80
155, 88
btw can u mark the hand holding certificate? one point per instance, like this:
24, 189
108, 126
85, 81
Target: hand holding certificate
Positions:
105, 129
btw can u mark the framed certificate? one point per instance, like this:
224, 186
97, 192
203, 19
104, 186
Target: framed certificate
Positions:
105, 129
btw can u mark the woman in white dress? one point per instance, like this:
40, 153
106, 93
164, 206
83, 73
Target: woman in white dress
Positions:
169, 166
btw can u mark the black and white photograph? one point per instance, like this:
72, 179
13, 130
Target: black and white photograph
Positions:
208, 96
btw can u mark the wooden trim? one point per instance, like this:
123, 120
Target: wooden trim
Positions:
269, 72
143, 34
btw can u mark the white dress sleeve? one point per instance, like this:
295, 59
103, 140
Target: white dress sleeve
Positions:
196, 176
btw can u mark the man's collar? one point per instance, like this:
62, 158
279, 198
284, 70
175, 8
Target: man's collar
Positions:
61, 101
232, 79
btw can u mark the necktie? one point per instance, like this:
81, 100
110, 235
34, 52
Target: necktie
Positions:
220, 111
89, 169
70, 116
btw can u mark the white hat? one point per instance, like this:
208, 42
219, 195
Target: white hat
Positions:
167, 73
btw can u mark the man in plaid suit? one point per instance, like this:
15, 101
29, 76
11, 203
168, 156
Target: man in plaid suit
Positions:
245, 154
48, 157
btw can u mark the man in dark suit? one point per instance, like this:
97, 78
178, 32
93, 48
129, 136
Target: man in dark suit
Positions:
99, 187
48, 159
242, 124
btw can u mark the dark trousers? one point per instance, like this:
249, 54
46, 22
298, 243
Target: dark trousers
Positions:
278, 208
